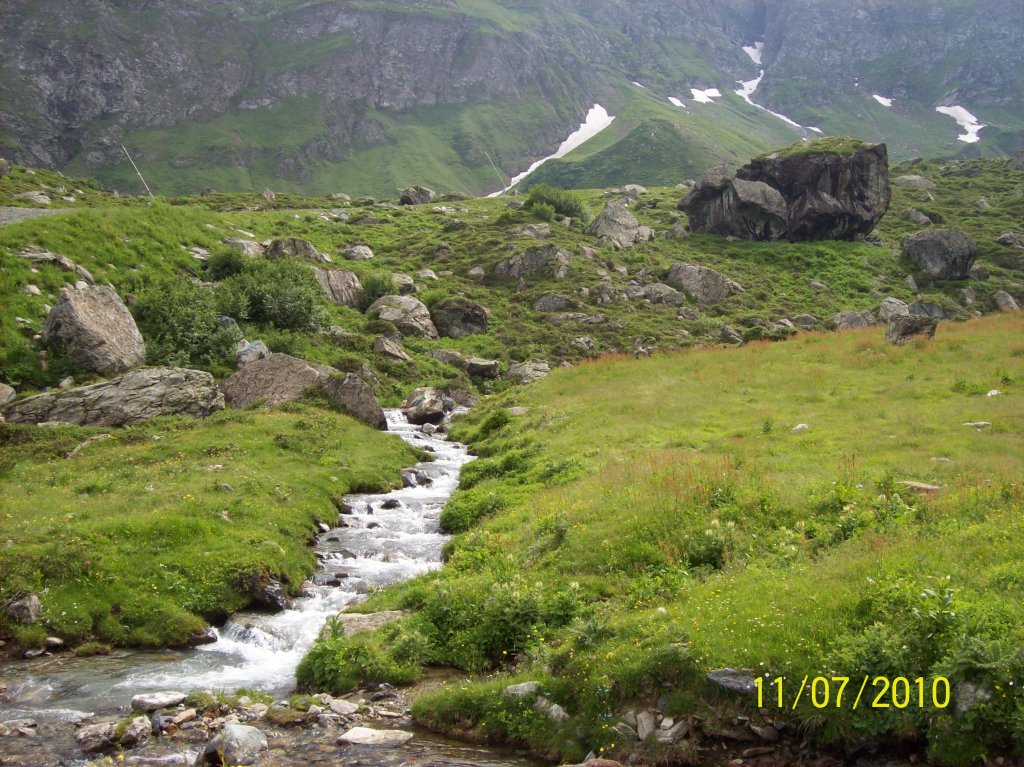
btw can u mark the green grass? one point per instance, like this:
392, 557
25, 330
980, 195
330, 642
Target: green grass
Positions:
827, 145
142, 538
662, 520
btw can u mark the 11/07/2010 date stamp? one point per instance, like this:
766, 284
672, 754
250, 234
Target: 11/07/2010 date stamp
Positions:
837, 692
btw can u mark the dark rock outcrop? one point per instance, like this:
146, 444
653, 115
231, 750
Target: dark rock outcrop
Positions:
425, 405
136, 396
802, 195
416, 195
353, 395
945, 254
93, 328
615, 226
457, 317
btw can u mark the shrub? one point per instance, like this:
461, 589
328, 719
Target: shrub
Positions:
560, 201
284, 294
225, 264
342, 664
178, 319
376, 286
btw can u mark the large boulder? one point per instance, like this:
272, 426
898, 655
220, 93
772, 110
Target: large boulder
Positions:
406, 313
425, 405
416, 195
541, 261
24, 608
852, 320
528, 372
457, 317
281, 378
136, 396
810, 192
1005, 302
945, 254
236, 744
340, 286
293, 247
616, 226
353, 395
704, 285
95, 331
905, 328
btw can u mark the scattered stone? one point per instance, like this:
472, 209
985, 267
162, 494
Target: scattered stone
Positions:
249, 248
979, 425
388, 348
892, 307
478, 367
248, 352
477, 274
407, 314
458, 317
543, 260
704, 285
917, 218
905, 328
522, 690
137, 396
805, 321
424, 405
137, 732
61, 262
615, 226
357, 253
921, 487
204, 637
536, 231
293, 247
95, 331
24, 608
1005, 302
364, 736
7, 394
94, 738
427, 274
914, 182
416, 195
994, 393
645, 724
818, 286
730, 335
967, 695
352, 394
554, 302
54, 643
553, 711
154, 701
1011, 239
800, 428
37, 197
236, 744
945, 254
527, 372
343, 707
852, 320
735, 681
340, 286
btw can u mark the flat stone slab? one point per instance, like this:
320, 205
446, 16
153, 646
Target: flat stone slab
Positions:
364, 736
154, 701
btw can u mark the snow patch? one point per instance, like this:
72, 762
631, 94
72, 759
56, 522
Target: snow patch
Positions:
746, 92
882, 100
816, 130
638, 85
755, 51
676, 102
966, 120
597, 120
706, 96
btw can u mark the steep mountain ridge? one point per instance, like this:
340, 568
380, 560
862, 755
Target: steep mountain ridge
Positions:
320, 95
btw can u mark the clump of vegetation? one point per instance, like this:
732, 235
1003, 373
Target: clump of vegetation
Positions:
178, 319
284, 294
824, 145
546, 201
376, 285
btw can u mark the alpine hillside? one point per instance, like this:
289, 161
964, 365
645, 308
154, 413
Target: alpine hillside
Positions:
319, 96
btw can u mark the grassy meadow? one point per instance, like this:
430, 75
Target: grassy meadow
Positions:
649, 520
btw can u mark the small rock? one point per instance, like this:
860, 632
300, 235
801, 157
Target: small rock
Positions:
236, 744
94, 738
645, 724
979, 425
343, 707
24, 608
137, 732
248, 352
1005, 302
154, 701
800, 428
364, 736
357, 253
994, 393
521, 690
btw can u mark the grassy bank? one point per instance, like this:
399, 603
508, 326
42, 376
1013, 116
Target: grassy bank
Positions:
647, 521
143, 537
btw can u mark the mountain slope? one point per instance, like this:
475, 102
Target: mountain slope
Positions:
321, 95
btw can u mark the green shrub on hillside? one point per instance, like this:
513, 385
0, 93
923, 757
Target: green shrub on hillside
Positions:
284, 294
178, 319
377, 285
543, 198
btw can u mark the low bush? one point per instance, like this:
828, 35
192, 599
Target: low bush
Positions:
284, 294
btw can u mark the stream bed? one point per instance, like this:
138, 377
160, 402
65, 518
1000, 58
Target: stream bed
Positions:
387, 538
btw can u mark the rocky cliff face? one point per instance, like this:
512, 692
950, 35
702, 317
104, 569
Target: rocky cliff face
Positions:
280, 90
